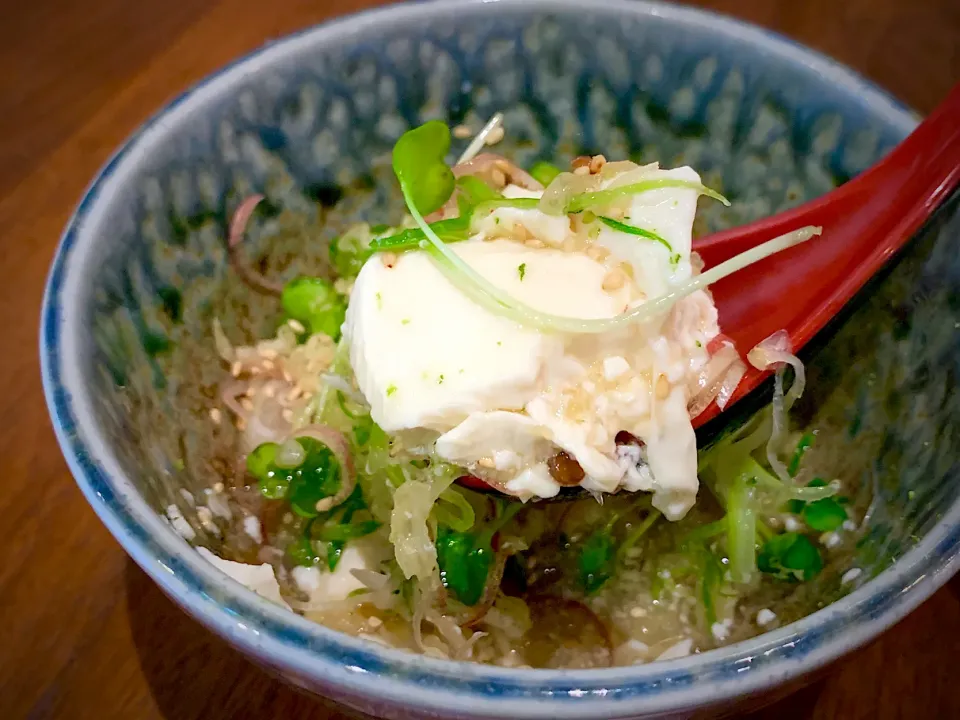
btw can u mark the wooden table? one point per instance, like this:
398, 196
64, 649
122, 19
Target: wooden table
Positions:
85, 633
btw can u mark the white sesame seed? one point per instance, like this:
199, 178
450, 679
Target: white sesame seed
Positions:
236, 368
831, 540
462, 132
850, 575
765, 617
215, 415
495, 135
287, 414
613, 280
791, 524
598, 253
251, 526
374, 622
296, 326
180, 523
662, 387
247, 404
614, 367
720, 631
637, 612
269, 354
203, 512
218, 487
268, 365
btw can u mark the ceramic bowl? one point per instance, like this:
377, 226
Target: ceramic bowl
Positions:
129, 366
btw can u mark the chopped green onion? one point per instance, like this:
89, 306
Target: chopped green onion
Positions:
488, 295
474, 191
350, 251
318, 477
451, 230
261, 460
454, 510
544, 172
596, 561
582, 201
806, 442
631, 230
636, 533
302, 552
710, 581
706, 532
314, 303
464, 564
742, 531
522, 270
344, 532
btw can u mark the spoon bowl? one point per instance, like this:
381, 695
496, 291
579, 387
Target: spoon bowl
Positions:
865, 223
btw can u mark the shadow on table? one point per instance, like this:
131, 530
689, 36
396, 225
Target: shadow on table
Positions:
193, 674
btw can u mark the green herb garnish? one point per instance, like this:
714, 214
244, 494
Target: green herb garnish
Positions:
632, 230
824, 515
597, 560
418, 161
418, 157
302, 552
314, 303
790, 557
522, 270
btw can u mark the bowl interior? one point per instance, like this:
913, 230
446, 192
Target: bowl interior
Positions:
312, 129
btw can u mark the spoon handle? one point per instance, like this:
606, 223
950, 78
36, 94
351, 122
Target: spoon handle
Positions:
909, 183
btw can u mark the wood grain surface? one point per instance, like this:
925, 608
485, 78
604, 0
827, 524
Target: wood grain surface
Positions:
85, 634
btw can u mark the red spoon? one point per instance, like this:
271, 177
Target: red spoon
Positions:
865, 222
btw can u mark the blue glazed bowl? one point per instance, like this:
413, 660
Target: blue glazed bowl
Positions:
129, 366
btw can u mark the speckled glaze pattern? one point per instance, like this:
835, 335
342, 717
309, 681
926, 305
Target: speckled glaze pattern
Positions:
310, 121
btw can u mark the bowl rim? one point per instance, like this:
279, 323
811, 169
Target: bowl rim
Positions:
346, 665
